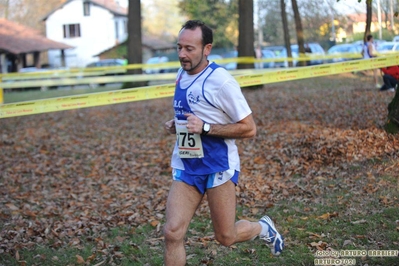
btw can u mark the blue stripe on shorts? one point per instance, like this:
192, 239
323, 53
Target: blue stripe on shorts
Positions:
204, 182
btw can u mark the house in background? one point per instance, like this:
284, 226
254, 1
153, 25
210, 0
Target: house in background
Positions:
151, 46
154, 46
355, 24
91, 26
21, 47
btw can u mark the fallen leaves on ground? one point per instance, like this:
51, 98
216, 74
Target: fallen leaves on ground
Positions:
68, 176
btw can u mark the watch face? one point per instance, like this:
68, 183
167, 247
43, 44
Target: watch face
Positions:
207, 127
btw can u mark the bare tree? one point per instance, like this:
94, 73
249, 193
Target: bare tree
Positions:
28, 12
286, 31
134, 42
299, 31
369, 14
4, 10
246, 34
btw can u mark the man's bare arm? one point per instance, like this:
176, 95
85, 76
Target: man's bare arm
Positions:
245, 128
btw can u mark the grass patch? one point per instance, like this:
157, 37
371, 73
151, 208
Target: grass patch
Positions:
304, 226
13, 96
88, 186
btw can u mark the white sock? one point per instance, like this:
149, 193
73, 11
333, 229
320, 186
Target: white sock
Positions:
265, 229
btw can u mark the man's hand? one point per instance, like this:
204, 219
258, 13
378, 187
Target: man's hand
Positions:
194, 124
170, 126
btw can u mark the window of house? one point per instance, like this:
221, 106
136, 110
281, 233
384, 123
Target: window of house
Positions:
86, 8
71, 30
116, 30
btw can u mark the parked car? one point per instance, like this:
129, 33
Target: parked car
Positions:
214, 57
315, 50
233, 65
377, 43
107, 62
31, 70
343, 49
388, 47
279, 53
29, 73
268, 54
158, 69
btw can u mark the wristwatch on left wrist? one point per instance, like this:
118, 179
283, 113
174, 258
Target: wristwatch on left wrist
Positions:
205, 128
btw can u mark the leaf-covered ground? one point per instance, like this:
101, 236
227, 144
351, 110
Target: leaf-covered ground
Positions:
73, 174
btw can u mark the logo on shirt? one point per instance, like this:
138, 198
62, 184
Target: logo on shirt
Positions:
220, 175
177, 104
192, 99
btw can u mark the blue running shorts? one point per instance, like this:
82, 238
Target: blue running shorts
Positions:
203, 182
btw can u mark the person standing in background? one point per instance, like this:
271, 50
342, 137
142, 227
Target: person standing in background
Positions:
368, 52
258, 55
390, 78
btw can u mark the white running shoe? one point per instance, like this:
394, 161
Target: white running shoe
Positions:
272, 237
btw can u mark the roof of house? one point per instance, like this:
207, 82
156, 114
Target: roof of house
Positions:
361, 17
17, 39
153, 43
156, 43
110, 5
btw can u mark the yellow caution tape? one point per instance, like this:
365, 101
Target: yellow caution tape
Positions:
1, 94
250, 78
317, 71
109, 70
87, 80
86, 100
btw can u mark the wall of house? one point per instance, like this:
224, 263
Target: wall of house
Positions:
121, 28
98, 33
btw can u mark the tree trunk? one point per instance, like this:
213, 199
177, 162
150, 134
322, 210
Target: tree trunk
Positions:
134, 45
246, 31
7, 8
134, 41
392, 124
369, 14
299, 32
286, 31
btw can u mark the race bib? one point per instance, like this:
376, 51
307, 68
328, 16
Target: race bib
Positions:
190, 144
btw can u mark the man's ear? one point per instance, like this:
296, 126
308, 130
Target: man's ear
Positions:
207, 49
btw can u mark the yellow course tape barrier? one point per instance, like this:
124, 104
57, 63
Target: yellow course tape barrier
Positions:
106, 74
86, 100
1, 94
67, 81
167, 90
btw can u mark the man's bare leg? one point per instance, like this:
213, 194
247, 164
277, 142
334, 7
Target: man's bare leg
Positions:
222, 203
182, 202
